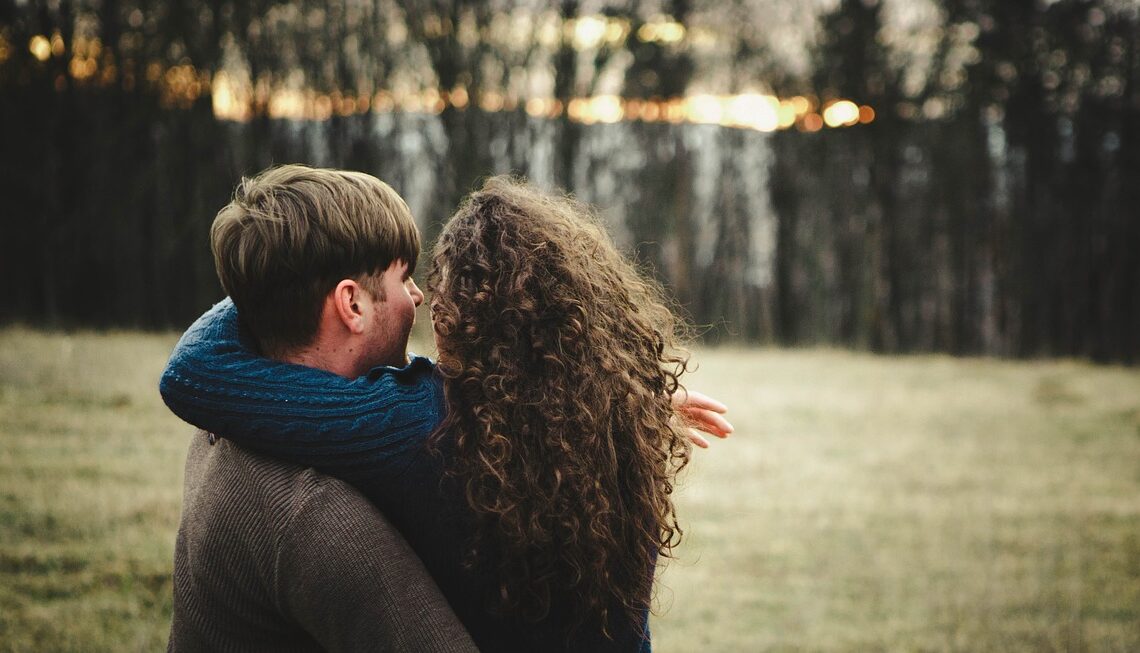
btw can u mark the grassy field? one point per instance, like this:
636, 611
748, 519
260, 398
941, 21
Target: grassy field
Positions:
865, 503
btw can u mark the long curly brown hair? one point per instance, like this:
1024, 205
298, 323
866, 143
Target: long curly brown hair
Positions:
559, 359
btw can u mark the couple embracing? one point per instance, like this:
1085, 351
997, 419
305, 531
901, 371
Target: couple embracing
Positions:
514, 495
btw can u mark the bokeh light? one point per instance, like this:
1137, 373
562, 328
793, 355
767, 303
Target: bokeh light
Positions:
40, 47
234, 96
841, 113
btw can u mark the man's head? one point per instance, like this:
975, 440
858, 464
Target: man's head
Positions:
292, 234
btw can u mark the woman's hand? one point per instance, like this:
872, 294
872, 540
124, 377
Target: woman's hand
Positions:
701, 413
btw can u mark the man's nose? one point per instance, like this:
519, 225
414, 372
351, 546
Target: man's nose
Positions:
417, 294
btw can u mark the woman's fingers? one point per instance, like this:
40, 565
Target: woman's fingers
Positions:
683, 398
707, 421
701, 412
697, 439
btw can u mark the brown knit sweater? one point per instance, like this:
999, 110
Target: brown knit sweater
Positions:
275, 557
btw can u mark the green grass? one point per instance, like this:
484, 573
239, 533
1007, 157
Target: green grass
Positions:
865, 503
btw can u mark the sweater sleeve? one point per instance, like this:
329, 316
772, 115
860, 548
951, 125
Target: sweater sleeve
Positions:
353, 583
347, 427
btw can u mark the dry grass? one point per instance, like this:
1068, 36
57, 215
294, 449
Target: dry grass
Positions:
923, 503
90, 488
864, 504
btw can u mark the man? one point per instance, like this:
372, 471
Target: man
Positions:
276, 557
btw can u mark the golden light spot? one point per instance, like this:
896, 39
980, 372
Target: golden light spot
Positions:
287, 103
786, 115
230, 101
704, 109
608, 108
347, 106
616, 31
537, 107
406, 101
602, 108
458, 97
670, 32
754, 111
661, 31
76, 68
811, 123
40, 47
802, 105
841, 114
57, 46
431, 101
866, 114
223, 101
674, 111
382, 101
322, 107
633, 109
576, 109
588, 32
491, 101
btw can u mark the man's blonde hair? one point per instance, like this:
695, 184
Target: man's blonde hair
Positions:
292, 233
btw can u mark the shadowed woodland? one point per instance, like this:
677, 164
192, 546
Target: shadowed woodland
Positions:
990, 206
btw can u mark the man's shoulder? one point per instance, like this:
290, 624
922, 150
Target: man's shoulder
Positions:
213, 460
281, 512
224, 479
214, 456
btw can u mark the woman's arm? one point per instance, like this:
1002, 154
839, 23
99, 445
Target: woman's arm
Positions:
215, 381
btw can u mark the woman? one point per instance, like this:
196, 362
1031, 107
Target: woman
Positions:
543, 515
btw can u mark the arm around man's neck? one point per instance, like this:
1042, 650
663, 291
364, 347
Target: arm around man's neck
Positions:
217, 382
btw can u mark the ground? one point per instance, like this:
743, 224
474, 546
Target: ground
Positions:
864, 503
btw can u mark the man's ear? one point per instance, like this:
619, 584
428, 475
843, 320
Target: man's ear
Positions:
348, 299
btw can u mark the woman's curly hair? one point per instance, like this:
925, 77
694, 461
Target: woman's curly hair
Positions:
559, 359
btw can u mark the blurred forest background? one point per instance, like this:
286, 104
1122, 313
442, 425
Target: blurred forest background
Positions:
957, 176
896, 176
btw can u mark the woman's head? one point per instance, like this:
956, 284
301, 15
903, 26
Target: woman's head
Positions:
559, 359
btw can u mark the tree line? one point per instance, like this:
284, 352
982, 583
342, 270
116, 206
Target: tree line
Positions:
989, 207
